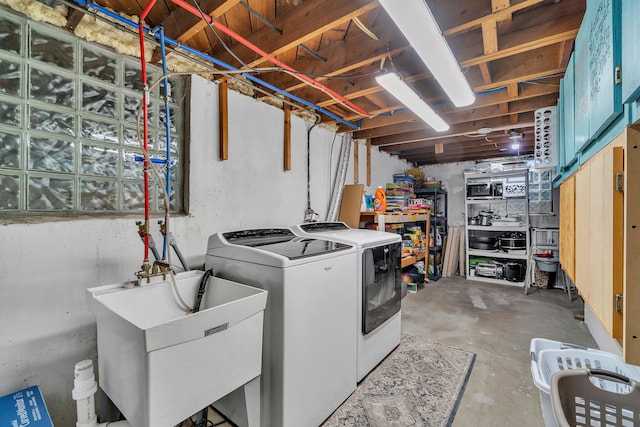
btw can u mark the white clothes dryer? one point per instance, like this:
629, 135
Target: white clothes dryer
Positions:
379, 284
309, 350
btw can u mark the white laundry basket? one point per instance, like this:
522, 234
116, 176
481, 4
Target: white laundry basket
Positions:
549, 357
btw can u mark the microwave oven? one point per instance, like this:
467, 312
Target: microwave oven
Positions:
484, 190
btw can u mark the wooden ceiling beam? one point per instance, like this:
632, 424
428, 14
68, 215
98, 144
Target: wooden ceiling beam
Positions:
470, 127
301, 24
458, 117
524, 145
457, 147
182, 25
527, 91
444, 158
357, 52
544, 26
525, 66
499, 15
469, 138
486, 73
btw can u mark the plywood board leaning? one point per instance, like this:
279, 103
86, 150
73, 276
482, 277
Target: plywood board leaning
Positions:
447, 253
350, 205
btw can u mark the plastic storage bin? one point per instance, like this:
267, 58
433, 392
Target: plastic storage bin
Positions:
549, 357
576, 401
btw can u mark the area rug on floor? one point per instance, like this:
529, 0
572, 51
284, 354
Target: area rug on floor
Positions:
419, 384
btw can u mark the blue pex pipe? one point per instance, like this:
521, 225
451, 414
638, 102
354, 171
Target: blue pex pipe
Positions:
167, 128
91, 5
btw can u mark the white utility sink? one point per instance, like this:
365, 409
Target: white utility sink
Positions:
160, 365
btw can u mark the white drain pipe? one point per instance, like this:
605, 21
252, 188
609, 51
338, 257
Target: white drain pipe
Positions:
84, 388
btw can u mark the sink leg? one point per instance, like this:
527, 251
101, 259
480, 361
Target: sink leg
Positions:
252, 400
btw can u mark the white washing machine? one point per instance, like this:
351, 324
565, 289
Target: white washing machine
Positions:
379, 285
309, 350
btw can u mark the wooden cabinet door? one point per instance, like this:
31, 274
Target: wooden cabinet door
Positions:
598, 236
568, 227
631, 254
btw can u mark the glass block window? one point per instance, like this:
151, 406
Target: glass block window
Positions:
540, 192
68, 135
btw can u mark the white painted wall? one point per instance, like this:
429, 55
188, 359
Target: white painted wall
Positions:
45, 268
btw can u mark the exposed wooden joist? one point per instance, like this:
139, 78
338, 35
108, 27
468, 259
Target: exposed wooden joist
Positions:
476, 23
528, 66
490, 36
301, 24
444, 158
455, 129
183, 25
527, 91
356, 52
483, 113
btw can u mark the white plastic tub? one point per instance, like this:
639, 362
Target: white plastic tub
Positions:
160, 365
549, 357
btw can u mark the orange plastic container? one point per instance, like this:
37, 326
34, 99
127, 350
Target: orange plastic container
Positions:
380, 200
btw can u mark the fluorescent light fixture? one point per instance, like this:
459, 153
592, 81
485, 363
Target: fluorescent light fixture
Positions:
398, 88
416, 22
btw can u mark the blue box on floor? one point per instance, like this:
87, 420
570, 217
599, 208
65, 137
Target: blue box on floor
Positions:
24, 408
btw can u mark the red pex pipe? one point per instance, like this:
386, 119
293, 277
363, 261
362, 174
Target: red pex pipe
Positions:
145, 110
267, 56
146, 10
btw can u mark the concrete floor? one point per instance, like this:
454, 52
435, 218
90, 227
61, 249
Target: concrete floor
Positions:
497, 322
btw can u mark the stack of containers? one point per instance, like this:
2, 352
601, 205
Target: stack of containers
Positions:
400, 192
549, 357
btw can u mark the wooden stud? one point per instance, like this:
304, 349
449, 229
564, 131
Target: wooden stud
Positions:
368, 161
486, 73
565, 52
498, 5
73, 19
439, 148
468, 26
504, 108
287, 137
512, 91
356, 178
223, 106
490, 36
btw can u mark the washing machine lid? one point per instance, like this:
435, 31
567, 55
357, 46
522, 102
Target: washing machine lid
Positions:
341, 232
271, 246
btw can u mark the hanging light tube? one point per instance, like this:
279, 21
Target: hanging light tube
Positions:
398, 88
414, 19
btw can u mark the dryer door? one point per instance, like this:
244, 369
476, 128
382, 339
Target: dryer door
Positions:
381, 285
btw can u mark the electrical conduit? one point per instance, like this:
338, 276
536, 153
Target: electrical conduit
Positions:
167, 129
341, 177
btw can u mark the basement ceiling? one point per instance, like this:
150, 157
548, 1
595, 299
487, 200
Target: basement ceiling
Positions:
513, 53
